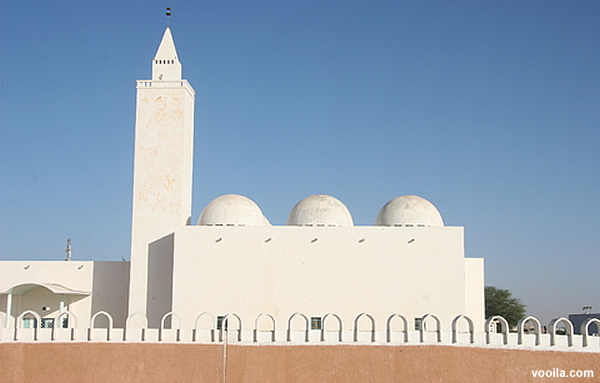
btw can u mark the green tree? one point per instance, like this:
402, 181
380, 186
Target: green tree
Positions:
501, 302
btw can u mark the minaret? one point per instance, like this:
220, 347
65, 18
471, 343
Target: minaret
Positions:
162, 179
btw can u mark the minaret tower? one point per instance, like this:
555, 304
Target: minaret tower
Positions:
162, 179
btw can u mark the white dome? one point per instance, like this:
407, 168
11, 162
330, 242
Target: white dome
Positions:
320, 210
232, 210
409, 210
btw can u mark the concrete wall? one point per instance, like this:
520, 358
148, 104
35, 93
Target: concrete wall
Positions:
315, 270
97, 363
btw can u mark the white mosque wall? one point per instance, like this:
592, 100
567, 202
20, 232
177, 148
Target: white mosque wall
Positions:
474, 288
316, 270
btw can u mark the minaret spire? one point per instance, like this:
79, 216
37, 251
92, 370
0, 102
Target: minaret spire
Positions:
166, 65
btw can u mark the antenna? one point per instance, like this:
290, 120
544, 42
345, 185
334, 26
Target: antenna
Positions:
168, 14
68, 250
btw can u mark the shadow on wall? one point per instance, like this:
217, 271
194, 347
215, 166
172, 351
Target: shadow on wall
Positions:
159, 296
108, 282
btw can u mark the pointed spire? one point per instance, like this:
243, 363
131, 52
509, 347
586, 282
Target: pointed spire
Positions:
166, 65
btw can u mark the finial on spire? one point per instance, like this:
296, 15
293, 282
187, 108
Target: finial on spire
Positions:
168, 14
68, 250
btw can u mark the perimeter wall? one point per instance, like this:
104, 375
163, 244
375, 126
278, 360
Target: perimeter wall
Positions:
156, 362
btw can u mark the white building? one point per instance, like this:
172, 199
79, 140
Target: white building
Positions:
233, 260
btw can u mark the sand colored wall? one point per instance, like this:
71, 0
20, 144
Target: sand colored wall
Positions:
21, 363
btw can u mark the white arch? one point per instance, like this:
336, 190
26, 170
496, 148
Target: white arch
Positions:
19, 323
128, 325
388, 327
211, 330
70, 316
536, 325
162, 325
356, 326
503, 327
93, 320
438, 328
289, 326
339, 326
225, 326
138, 313
256, 330
552, 329
585, 326
455, 328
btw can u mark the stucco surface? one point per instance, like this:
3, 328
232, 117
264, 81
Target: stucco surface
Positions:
138, 362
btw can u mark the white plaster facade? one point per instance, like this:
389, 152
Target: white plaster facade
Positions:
235, 261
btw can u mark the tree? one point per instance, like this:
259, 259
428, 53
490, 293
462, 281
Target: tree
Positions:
501, 302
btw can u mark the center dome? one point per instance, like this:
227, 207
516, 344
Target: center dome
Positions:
232, 210
320, 210
409, 210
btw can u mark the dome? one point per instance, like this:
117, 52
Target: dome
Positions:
232, 210
320, 210
409, 210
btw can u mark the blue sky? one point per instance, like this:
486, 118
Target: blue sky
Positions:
488, 109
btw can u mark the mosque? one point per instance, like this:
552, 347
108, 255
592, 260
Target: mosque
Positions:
233, 260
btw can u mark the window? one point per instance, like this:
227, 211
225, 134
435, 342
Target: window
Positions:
316, 323
29, 323
47, 322
220, 319
417, 324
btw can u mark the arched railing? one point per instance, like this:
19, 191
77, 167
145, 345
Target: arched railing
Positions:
257, 329
171, 315
388, 327
211, 330
536, 326
36, 327
289, 326
585, 326
356, 329
568, 329
70, 318
129, 327
339, 330
455, 328
493, 321
423, 328
93, 321
225, 327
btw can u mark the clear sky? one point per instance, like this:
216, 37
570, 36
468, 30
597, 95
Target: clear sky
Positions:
490, 110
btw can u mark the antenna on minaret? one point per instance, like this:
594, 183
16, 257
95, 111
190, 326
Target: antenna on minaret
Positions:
68, 250
168, 13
